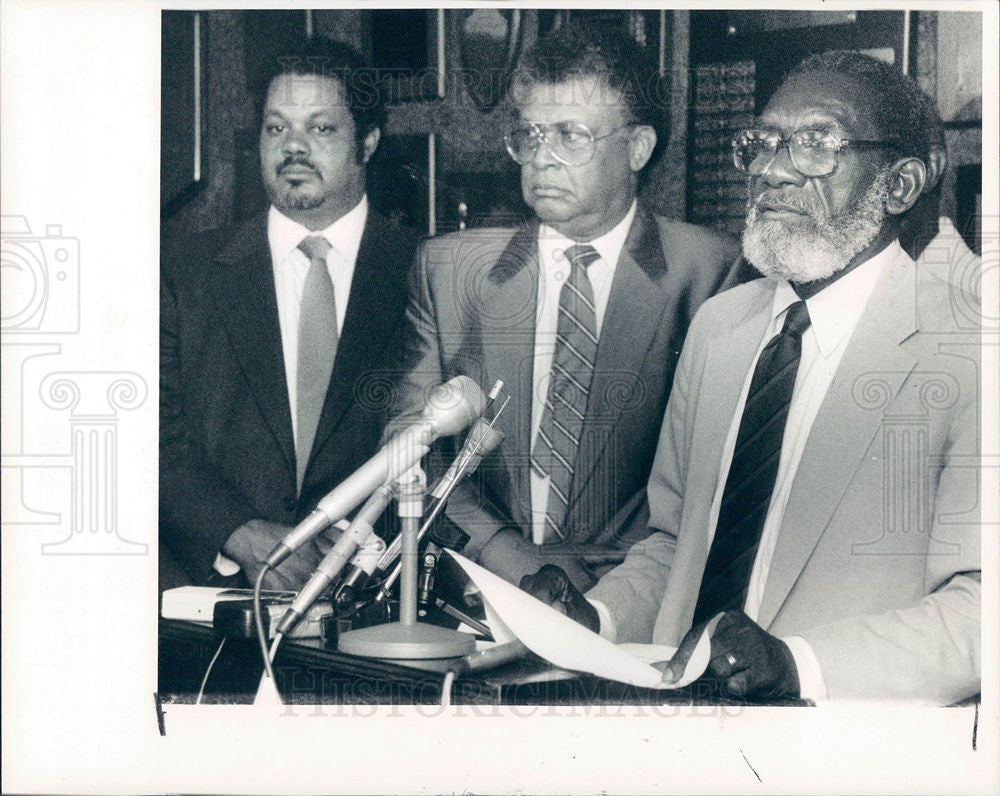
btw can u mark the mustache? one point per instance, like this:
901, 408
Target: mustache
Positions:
775, 200
296, 160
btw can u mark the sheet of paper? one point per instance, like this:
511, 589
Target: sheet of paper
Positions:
501, 633
565, 643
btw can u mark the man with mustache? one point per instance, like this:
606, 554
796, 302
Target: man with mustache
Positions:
816, 480
581, 311
270, 332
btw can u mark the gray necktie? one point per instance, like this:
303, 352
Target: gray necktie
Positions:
317, 349
559, 433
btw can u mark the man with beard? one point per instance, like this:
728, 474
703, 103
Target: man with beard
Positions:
816, 476
270, 332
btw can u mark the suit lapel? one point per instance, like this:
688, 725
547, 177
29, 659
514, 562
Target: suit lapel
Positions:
507, 335
727, 363
242, 282
873, 366
635, 307
378, 290
716, 389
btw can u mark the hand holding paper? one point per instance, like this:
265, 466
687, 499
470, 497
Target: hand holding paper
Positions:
552, 586
552, 635
751, 662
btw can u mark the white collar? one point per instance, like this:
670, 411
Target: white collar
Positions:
609, 245
284, 235
835, 310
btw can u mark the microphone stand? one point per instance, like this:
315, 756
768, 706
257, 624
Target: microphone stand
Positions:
484, 438
487, 437
407, 639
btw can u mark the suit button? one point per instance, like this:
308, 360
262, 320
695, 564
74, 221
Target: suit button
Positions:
289, 504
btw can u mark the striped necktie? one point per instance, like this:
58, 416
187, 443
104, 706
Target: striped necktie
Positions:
753, 470
554, 452
317, 349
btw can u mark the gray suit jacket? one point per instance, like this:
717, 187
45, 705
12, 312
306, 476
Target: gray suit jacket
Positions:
877, 561
472, 311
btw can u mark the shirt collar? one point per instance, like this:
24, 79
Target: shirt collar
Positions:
609, 245
835, 310
284, 235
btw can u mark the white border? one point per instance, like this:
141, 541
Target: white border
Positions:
80, 137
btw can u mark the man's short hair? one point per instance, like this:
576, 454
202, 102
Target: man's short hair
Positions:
902, 112
572, 52
325, 57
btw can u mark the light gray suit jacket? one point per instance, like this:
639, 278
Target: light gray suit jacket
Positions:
877, 563
472, 312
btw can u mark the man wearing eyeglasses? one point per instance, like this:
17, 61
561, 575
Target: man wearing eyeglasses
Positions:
816, 480
580, 311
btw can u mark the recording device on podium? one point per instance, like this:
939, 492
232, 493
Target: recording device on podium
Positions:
391, 474
483, 438
449, 409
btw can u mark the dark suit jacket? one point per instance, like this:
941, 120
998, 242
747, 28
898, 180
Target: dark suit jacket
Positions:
227, 453
472, 311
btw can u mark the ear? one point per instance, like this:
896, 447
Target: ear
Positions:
642, 141
370, 144
909, 179
937, 162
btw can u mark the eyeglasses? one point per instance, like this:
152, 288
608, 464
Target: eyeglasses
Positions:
571, 143
814, 153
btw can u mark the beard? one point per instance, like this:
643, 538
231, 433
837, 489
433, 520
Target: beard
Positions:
818, 245
297, 194
304, 196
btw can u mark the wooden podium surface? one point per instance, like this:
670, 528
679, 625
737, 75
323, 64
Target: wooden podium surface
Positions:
308, 673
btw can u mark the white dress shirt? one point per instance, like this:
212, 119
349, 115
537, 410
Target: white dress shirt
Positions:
834, 313
554, 270
290, 265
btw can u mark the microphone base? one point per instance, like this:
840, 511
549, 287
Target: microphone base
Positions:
398, 641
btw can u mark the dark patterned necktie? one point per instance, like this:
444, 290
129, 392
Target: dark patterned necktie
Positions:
753, 470
558, 438
317, 349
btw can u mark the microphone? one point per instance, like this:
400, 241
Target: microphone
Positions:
357, 532
481, 440
450, 408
